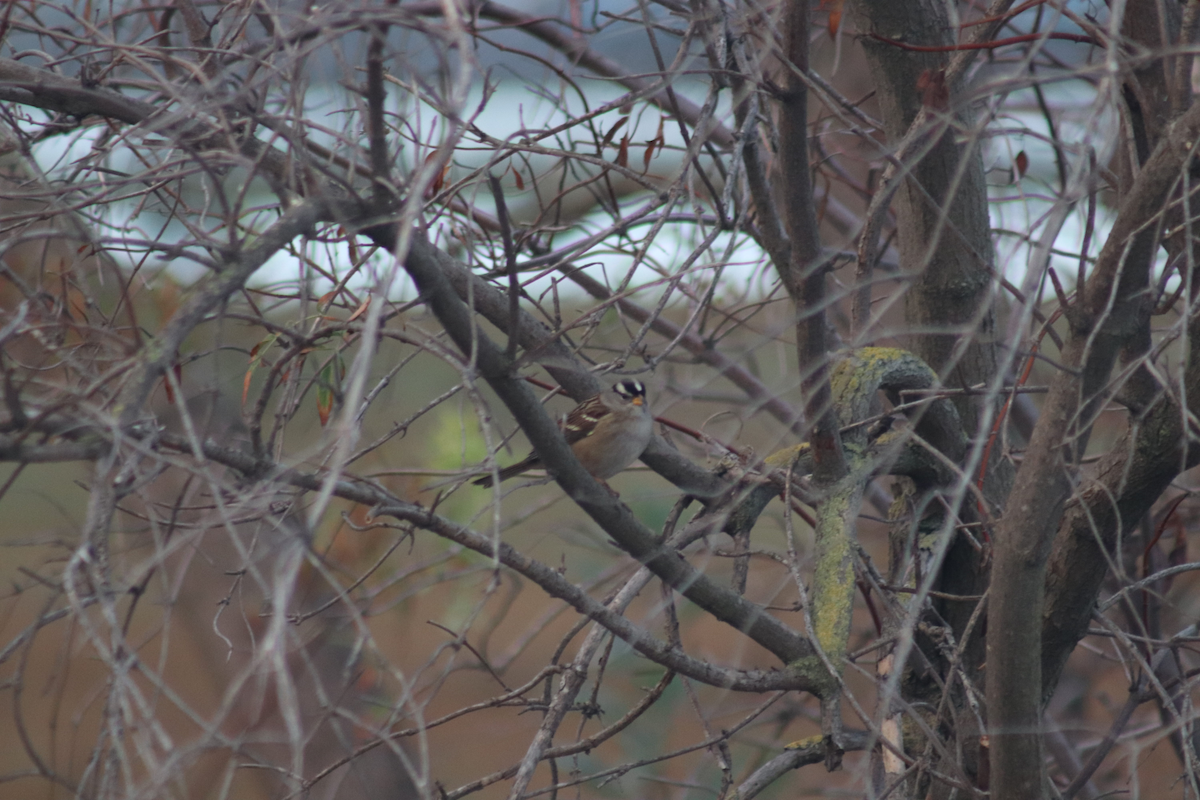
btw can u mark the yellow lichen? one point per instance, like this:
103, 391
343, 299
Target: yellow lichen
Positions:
806, 743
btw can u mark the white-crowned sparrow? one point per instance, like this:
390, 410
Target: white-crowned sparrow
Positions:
607, 432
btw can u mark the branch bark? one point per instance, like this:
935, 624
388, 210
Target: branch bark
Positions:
1129, 479
805, 271
613, 517
941, 204
1112, 306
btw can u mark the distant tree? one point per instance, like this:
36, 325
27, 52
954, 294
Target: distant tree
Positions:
911, 284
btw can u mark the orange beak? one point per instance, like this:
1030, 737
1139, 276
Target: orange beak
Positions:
638, 401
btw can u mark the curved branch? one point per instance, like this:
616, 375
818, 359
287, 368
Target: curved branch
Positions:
550, 580
556, 586
429, 269
41, 88
613, 517
1129, 479
796, 755
1112, 306
543, 346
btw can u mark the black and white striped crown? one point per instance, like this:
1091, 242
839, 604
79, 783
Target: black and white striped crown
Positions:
630, 389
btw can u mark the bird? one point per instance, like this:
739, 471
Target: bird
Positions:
607, 433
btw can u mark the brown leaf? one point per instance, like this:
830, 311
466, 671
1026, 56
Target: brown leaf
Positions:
1021, 164
439, 181
329, 377
362, 308
608, 137
324, 404
835, 15
325, 300
932, 85
658, 141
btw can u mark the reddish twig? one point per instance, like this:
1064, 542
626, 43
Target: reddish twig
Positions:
992, 45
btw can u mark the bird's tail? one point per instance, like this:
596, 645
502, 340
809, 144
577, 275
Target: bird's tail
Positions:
506, 473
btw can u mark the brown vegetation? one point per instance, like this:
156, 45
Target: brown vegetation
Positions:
911, 284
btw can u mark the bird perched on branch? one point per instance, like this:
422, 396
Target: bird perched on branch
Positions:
607, 433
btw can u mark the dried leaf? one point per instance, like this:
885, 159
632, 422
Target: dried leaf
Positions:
439, 181
246, 386
932, 85
623, 153
834, 7
362, 308
324, 403
608, 137
659, 141
325, 384
324, 301
1021, 164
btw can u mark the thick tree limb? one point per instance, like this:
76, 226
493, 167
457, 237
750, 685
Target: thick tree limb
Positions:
941, 201
44, 89
1109, 312
16, 449
804, 273
613, 517
544, 347
798, 754
1129, 479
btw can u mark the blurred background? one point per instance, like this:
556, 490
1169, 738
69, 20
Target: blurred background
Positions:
257, 643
